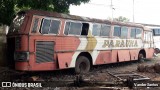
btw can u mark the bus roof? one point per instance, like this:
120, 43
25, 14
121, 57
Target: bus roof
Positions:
152, 27
80, 18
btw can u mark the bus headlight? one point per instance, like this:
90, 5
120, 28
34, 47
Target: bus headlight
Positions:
21, 56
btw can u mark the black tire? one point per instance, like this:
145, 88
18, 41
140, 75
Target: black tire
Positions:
82, 65
141, 57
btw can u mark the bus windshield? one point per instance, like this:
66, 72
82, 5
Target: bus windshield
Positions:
17, 22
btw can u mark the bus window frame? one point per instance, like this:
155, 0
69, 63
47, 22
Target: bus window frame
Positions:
127, 28
42, 25
99, 31
142, 33
69, 28
87, 30
154, 32
60, 24
39, 24
35, 31
109, 30
113, 31
50, 18
130, 33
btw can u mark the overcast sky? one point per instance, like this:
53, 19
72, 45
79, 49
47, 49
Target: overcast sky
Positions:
145, 11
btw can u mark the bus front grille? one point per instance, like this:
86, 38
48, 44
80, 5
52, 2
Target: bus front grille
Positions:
44, 51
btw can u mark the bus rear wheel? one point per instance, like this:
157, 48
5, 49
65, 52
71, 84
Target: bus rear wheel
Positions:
141, 57
82, 65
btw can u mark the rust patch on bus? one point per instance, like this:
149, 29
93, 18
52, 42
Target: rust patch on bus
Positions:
123, 55
64, 59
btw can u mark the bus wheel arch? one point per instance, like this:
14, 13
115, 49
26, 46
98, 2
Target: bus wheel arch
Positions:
142, 54
83, 63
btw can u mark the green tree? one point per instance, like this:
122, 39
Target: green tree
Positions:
8, 8
6, 11
119, 19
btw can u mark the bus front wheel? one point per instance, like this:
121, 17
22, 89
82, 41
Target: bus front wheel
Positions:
82, 65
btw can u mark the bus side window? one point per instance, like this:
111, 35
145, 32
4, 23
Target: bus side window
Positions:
117, 31
75, 28
54, 27
35, 25
45, 26
96, 29
124, 32
133, 33
138, 33
156, 32
105, 31
85, 28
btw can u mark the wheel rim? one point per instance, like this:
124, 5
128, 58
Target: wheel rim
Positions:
82, 66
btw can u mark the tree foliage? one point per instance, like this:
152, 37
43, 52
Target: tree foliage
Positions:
6, 11
120, 19
8, 8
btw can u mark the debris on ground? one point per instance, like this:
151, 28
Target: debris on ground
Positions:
33, 78
149, 68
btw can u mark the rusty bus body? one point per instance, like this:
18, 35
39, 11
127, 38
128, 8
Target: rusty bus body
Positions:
40, 40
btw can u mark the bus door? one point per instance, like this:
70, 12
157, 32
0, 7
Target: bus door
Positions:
156, 38
148, 39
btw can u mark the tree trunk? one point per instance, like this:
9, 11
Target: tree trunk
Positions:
4, 33
3, 42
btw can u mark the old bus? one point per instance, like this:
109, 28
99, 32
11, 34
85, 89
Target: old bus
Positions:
40, 40
156, 39
156, 36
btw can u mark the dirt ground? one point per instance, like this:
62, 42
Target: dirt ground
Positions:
98, 73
